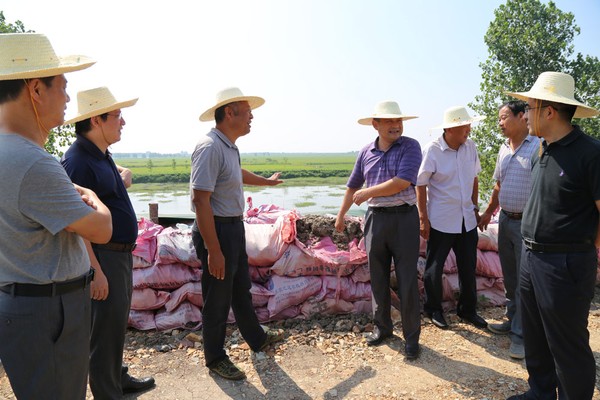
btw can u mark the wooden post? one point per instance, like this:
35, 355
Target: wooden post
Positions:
153, 212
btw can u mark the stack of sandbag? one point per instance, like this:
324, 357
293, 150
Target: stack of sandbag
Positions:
290, 278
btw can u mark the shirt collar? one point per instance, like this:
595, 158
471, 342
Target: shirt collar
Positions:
223, 138
91, 148
373, 147
569, 138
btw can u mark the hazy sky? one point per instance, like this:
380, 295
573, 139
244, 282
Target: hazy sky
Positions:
320, 64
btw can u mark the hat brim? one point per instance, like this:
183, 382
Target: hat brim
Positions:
102, 110
369, 120
582, 111
460, 123
63, 66
254, 101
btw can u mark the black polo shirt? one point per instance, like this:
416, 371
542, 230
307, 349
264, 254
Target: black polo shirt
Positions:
565, 187
87, 166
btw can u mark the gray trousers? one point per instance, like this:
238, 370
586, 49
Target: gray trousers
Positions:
394, 236
109, 325
510, 244
44, 344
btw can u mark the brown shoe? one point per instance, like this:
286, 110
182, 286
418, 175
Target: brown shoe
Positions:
273, 336
228, 370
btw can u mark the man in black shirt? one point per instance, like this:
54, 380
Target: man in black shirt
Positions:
560, 232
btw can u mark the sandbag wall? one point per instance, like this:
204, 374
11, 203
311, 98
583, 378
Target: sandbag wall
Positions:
290, 278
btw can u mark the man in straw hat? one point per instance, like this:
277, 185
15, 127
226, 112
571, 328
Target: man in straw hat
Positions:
98, 124
388, 168
216, 182
511, 191
44, 268
447, 192
560, 231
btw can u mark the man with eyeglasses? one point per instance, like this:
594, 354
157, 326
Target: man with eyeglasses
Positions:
98, 125
513, 185
560, 230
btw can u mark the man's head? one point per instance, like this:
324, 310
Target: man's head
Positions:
388, 120
551, 100
511, 119
457, 125
99, 116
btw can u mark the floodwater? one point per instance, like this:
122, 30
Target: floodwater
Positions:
175, 199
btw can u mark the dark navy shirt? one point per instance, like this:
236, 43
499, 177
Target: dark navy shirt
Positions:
87, 166
566, 185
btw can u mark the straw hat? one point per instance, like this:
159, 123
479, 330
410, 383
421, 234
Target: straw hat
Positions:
30, 55
457, 116
558, 87
97, 101
386, 110
230, 95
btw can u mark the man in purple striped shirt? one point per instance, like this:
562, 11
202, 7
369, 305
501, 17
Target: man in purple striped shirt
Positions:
387, 168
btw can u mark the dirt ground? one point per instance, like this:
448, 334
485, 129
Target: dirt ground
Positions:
327, 358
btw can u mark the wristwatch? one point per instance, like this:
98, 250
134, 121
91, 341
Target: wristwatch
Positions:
475, 208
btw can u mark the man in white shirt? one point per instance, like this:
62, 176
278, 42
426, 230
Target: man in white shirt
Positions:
447, 191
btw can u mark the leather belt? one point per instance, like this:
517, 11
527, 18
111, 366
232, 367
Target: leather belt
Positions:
112, 246
558, 247
393, 210
229, 220
512, 215
50, 289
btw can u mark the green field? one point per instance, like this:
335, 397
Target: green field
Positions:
293, 166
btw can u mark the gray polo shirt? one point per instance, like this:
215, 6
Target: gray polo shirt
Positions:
216, 168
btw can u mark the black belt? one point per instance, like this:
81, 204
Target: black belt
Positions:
112, 246
558, 247
512, 215
50, 289
229, 220
395, 209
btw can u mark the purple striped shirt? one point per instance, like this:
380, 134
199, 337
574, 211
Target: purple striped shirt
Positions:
373, 166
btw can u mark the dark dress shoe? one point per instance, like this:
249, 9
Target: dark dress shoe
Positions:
377, 337
474, 319
411, 351
437, 318
131, 385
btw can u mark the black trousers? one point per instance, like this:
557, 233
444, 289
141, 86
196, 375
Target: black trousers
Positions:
109, 325
465, 248
556, 292
394, 236
232, 292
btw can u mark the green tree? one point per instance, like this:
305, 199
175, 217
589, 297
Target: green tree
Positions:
525, 39
150, 164
61, 137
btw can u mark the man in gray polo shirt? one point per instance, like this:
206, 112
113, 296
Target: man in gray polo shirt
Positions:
216, 186
513, 185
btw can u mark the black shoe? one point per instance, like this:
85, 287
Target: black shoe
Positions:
411, 351
377, 337
437, 318
474, 319
522, 396
130, 384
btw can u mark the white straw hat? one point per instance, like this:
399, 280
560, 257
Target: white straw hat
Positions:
30, 55
557, 87
386, 110
457, 116
230, 95
97, 101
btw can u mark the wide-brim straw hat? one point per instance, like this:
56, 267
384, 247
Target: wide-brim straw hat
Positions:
386, 110
30, 55
230, 95
559, 88
97, 101
457, 116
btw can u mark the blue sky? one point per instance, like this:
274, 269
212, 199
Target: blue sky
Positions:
320, 64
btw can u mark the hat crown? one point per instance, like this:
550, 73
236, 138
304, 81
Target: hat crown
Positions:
387, 108
228, 93
456, 115
558, 83
25, 50
94, 99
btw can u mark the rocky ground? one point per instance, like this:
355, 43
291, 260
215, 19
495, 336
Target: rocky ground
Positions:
327, 358
312, 228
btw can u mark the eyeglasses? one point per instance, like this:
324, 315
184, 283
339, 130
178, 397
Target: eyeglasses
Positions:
118, 116
527, 108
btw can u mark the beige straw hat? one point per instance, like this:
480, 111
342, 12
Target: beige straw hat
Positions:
457, 116
230, 95
97, 101
30, 55
386, 110
557, 87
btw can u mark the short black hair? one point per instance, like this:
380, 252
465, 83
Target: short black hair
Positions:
566, 111
220, 112
515, 106
11, 89
83, 127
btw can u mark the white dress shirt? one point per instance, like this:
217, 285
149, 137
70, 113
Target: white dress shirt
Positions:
449, 175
